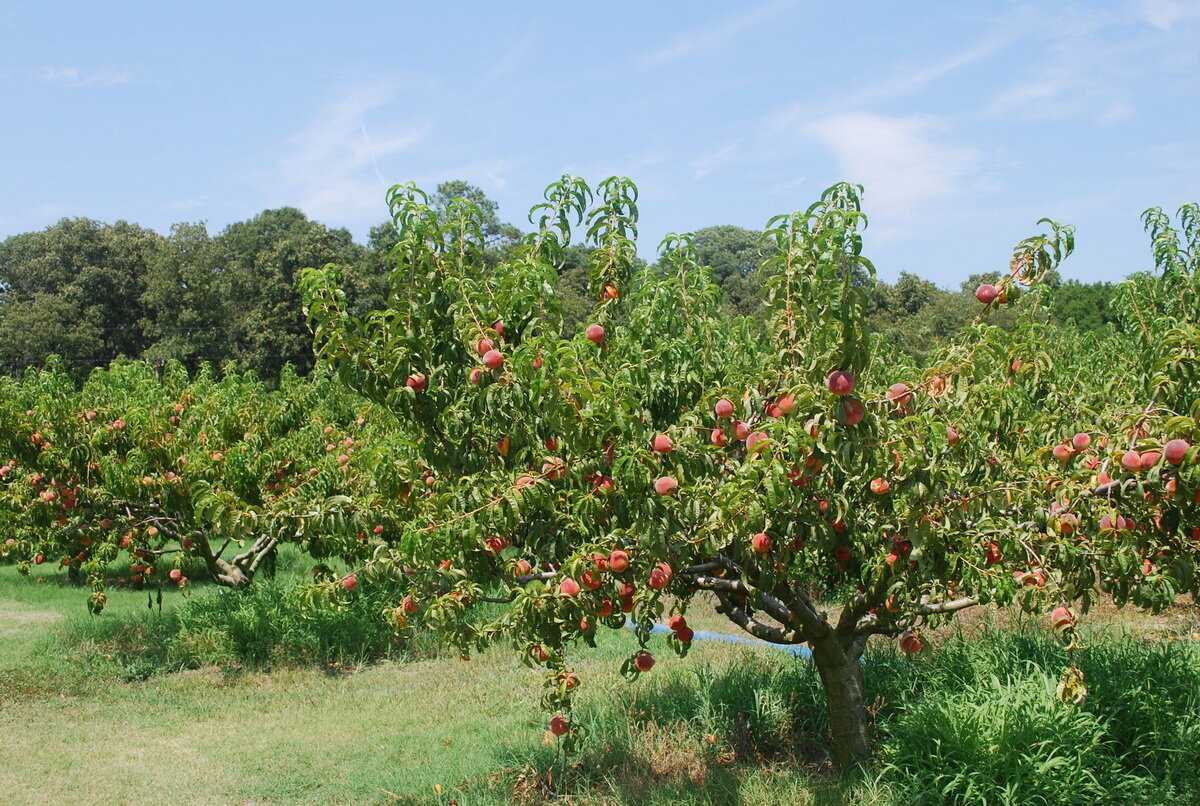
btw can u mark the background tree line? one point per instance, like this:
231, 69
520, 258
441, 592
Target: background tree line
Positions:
92, 292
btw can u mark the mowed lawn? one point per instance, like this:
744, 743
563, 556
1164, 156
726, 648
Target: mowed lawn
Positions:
423, 731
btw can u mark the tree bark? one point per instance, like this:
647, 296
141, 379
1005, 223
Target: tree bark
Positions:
841, 676
240, 570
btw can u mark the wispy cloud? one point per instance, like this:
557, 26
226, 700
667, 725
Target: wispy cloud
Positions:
1083, 66
1064, 92
79, 77
1165, 14
906, 80
706, 38
902, 160
331, 169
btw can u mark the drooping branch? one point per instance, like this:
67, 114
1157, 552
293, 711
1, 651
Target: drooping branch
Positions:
770, 604
774, 635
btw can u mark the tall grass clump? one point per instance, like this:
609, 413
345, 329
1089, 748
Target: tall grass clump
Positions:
979, 721
268, 624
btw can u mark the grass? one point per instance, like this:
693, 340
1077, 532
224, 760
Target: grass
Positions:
104, 709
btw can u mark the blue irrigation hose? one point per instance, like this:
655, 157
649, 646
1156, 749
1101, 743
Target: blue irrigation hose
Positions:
698, 635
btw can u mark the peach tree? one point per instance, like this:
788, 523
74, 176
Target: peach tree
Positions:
163, 470
571, 483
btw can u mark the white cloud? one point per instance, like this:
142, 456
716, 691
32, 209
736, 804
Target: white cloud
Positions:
899, 160
706, 38
1164, 14
76, 77
1063, 92
905, 80
331, 168
1087, 66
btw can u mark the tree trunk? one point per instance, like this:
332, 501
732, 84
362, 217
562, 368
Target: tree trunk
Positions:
841, 676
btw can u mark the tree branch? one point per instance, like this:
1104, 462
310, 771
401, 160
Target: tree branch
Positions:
771, 605
947, 607
774, 635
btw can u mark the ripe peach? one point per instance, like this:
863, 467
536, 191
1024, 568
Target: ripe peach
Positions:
880, 486
723, 409
350, 581
568, 587
1061, 619
899, 393
665, 485
718, 438
1131, 461
417, 382
987, 293
484, 346
644, 661
786, 403
661, 576
761, 542
851, 411
840, 382
1175, 450
493, 359
594, 334
756, 441
559, 725
1150, 459
951, 435
911, 642
663, 444
618, 562
1081, 441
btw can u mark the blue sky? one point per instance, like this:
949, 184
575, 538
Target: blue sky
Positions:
965, 121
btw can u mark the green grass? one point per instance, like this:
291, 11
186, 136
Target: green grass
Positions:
104, 710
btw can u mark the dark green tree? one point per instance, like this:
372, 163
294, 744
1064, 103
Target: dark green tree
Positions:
499, 236
187, 303
735, 255
262, 260
1088, 305
74, 288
